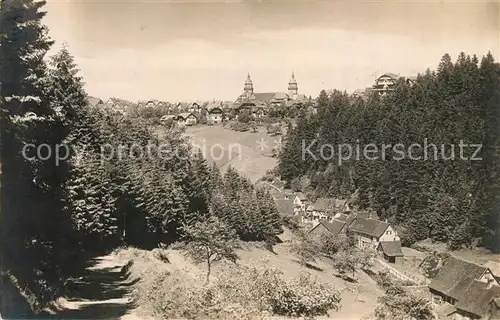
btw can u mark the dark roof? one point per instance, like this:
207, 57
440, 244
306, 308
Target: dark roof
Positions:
264, 96
391, 248
390, 74
374, 228
301, 96
477, 298
342, 217
94, 101
214, 105
335, 226
324, 204
118, 101
185, 115
281, 96
284, 206
455, 276
347, 218
368, 215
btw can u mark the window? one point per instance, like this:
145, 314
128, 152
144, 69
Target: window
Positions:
389, 232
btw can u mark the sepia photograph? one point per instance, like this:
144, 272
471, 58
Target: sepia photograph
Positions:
250, 159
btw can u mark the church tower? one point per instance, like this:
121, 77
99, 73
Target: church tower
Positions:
248, 90
293, 88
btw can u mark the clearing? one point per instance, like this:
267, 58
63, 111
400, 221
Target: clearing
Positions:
248, 152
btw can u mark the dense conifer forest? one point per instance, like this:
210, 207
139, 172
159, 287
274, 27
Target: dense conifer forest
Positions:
58, 209
443, 198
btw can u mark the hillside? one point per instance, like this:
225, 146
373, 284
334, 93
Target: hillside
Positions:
358, 299
238, 149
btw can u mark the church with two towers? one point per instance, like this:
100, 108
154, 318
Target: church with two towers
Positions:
249, 98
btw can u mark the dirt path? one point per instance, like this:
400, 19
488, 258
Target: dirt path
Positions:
103, 291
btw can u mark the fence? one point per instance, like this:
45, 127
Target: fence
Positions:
398, 274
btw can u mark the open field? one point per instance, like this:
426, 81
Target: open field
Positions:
245, 151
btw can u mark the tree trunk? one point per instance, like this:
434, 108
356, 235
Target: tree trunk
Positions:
208, 269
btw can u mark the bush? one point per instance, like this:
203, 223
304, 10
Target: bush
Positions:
399, 304
237, 293
239, 126
302, 297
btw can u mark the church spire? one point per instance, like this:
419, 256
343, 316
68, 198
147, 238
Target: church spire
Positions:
248, 89
293, 88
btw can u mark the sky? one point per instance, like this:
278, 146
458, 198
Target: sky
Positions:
193, 50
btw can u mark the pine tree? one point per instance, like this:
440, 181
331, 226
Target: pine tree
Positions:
27, 117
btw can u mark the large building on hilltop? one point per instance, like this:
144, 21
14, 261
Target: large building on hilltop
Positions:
251, 99
387, 82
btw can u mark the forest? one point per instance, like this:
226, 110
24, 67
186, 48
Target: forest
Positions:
448, 200
56, 213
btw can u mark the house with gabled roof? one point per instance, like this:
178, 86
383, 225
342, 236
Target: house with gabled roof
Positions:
326, 208
455, 277
186, 118
476, 301
93, 101
334, 228
194, 107
183, 106
369, 232
300, 202
119, 103
215, 112
391, 251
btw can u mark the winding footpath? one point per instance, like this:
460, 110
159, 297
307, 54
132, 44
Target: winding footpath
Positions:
102, 292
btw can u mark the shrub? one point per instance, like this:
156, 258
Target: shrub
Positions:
237, 293
302, 297
305, 248
398, 304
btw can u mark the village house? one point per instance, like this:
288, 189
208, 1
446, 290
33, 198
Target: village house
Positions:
369, 232
300, 202
391, 251
183, 107
214, 112
259, 111
94, 101
455, 277
186, 118
326, 208
194, 108
117, 102
476, 303
284, 207
494, 268
386, 83
334, 228
147, 103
